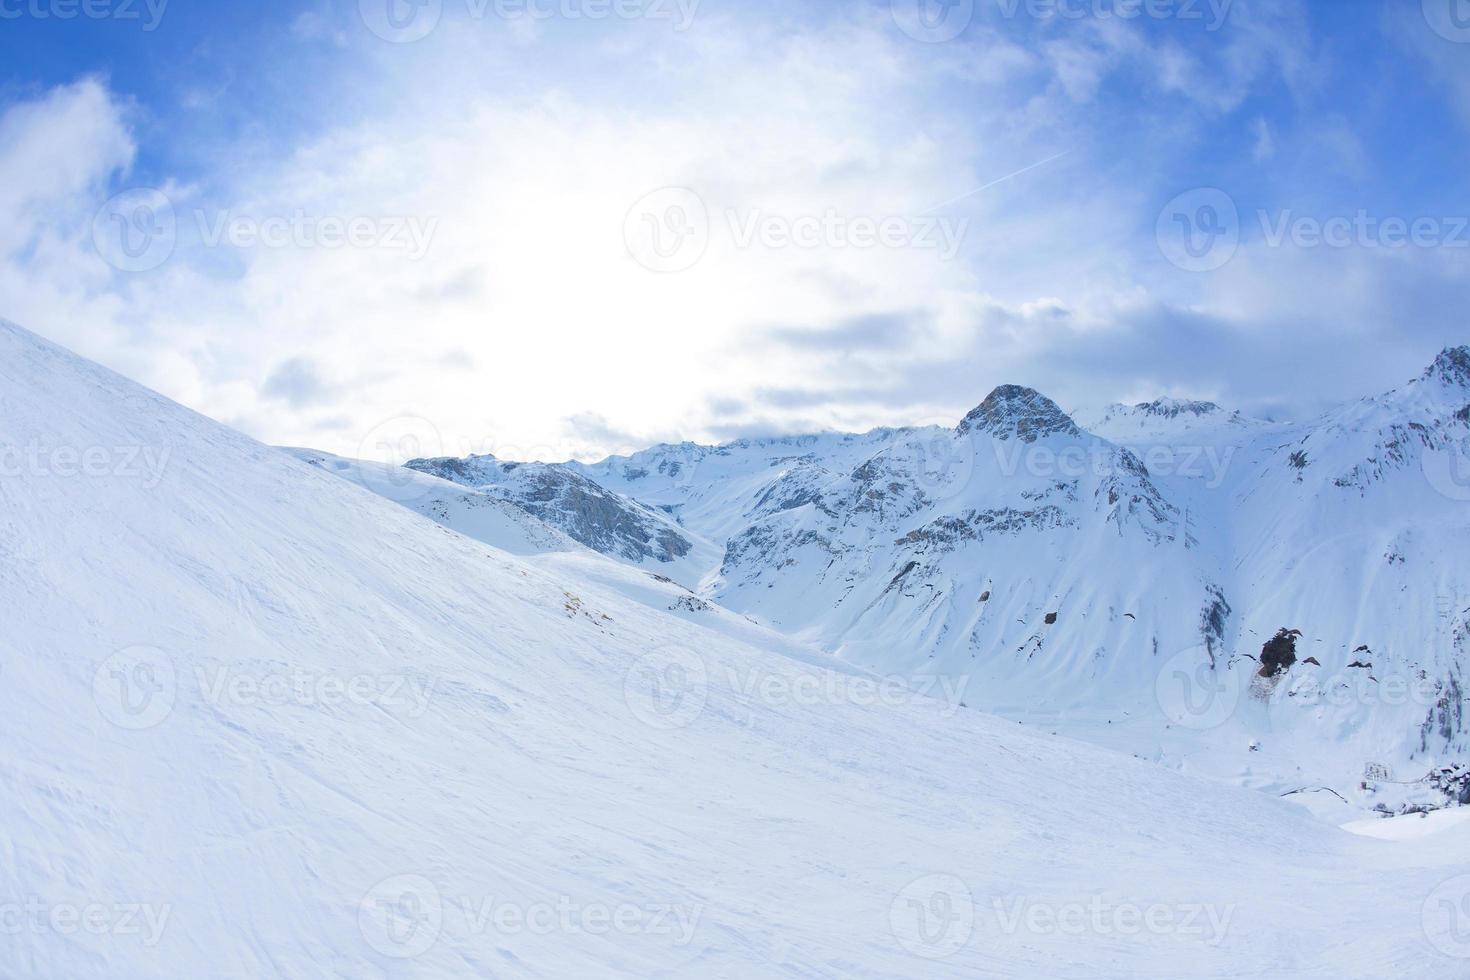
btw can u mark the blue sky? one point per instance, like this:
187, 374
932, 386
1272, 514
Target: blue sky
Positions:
580, 232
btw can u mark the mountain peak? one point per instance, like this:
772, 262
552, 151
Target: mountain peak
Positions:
1170, 408
1012, 410
1452, 367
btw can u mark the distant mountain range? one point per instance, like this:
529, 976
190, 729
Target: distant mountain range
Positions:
1118, 572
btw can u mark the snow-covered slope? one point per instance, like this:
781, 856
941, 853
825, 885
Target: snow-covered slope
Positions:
483, 516
256, 721
587, 512
498, 522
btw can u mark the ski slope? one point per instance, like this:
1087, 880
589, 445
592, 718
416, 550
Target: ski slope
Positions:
258, 721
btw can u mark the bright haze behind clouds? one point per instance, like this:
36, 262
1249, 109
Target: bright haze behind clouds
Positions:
614, 223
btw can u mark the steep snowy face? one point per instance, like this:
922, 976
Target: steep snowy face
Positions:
585, 511
257, 721
1012, 411
1006, 552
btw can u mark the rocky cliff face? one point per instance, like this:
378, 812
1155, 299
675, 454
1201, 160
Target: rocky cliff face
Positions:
586, 512
1014, 412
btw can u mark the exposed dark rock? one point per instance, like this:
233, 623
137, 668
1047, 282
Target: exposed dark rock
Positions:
1359, 665
691, 603
900, 576
1279, 653
946, 533
985, 596
1051, 619
1313, 661
1024, 413
1452, 367
1213, 620
591, 515
1447, 717
1170, 408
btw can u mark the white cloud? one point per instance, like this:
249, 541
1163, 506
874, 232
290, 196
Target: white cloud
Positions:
1265, 147
528, 327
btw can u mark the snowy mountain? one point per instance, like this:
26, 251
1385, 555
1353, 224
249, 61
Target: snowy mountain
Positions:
1120, 580
485, 517
604, 521
1165, 417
